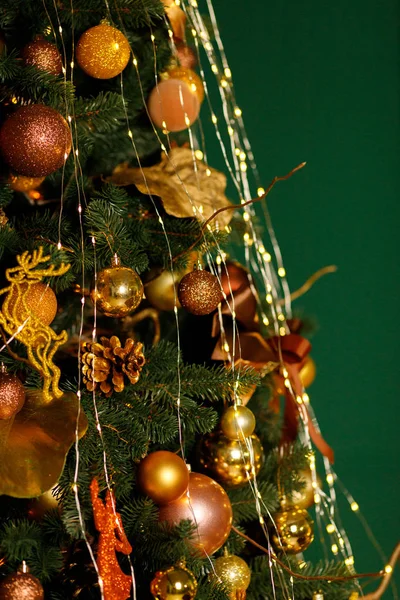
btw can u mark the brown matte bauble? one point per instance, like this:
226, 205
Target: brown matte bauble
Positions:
293, 531
173, 106
163, 476
21, 586
237, 422
20, 183
12, 395
117, 291
305, 497
185, 55
43, 55
230, 461
35, 140
199, 292
234, 573
190, 78
103, 52
175, 583
208, 506
308, 372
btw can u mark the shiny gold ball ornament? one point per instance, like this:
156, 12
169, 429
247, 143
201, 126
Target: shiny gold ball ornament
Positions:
20, 183
207, 505
237, 422
234, 573
43, 55
35, 140
22, 586
117, 291
190, 78
231, 462
293, 531
308, 372
305, 497
175, 583
199, 292
103, 52
12, 395
163, 476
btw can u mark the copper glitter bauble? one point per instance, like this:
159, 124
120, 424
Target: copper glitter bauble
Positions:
172, 105
237, 422
43, 55
293, 531
234, 573
199, 292
185, 55
35, 141
163, 476
308, 372
208, 506
117, 291
305, 497
230, 461
20, 183
21, 586
12, 395
190, 78
103, 52
175, 583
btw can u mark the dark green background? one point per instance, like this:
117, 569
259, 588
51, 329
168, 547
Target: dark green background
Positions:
318, 81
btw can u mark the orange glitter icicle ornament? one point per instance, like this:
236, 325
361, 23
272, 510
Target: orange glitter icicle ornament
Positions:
112, 539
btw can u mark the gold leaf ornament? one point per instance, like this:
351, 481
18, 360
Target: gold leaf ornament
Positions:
187, 186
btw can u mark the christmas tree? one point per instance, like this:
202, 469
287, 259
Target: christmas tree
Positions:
156, 436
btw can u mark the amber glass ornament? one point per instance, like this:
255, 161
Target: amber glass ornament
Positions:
175, 583
293, 531
230, 461
117, 290
199, 292
103, 52
161, 289
173, 106
163, 476
207, 504
237, 422
35, 140
21, 586
234, 573
43, 55
190, 78
12, 395
308, 372
305, 497
20, 183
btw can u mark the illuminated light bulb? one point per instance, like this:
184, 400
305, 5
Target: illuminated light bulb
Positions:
388, 569
224, 83
231, 130
246, 217
242, 155
266, 321
268, 298
299, 400
306, 398
194, 33
282, 331
329, 478
285, 373
281, 272
349, 561
330, 528
152, 38
218, 260
243, 167
281, 317
198, 154
260, 191
214, 69
237, 151
287, 383
267, 257
135, 62
261, 520
214, 119
354, 506
227, 72
261, 249
226, 347
208, 172
341, 542
208, 46
334, 549
238, 112
246, 237
317, 498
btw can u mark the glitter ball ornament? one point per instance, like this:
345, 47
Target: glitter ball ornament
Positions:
22, 586
43, 55
175, 583
237, 422
35, 141
117, 290
172, 105
190, 78
12, 395
199, 292
20, 183
293, 531
208, 506
231, 462
234, 573
163, 476
308, 372
103, 52
40, 300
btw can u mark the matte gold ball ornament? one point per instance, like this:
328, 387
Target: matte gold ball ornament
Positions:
234, 573
12, 395
162, 289
103, 52
199, 292
237, 422
117, 291
175, 583
22, 586
293, 531
163, 476
43, 55
308, 372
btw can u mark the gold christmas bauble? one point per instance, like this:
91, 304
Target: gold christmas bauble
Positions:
237, 422
20, 183
12, 395
117, 291
163, 476
231, 462
21, 586
175, 583
42, 301
308, 372
38, 507
305, 497
103, 52
234, 573
199, 292
162, 289
191, 78
293, 531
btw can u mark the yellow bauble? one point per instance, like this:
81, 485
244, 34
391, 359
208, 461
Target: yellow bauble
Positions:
20, 183
163, 476
305, 497
162, 290
175, 583
293, 531
230, 461
191, 78
117, 291
103, 52
234, 573
237, 422
308, 372
38, 507
40, 300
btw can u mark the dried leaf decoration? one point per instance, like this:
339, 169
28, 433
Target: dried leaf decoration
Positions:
185, 190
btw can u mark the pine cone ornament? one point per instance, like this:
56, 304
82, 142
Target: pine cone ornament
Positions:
105, 365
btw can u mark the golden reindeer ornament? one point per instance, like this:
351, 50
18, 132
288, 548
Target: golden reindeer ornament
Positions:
20, 323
